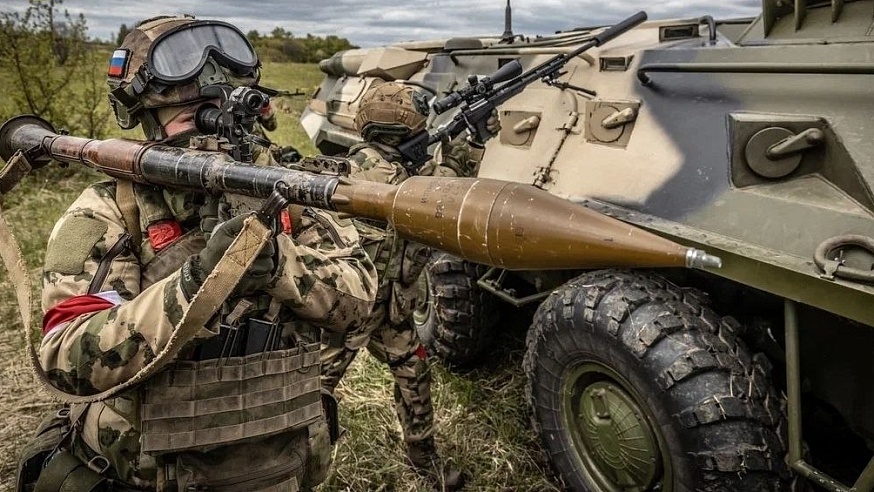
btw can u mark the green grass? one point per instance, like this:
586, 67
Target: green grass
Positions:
483, 423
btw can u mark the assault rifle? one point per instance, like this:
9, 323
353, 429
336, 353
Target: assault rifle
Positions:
482, 96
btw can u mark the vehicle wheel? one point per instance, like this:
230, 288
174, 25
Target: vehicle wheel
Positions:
635, 384
456, 316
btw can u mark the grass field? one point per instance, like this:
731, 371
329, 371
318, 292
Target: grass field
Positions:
483, 421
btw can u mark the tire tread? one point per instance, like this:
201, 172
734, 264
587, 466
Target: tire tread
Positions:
741, 402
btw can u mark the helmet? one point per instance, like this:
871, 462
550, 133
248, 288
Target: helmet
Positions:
389, 109
169, 60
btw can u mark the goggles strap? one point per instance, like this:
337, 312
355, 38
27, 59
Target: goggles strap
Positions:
141, 79
127, 94
127, 97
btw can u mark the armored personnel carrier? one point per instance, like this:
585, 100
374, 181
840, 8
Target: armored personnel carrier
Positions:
749, 138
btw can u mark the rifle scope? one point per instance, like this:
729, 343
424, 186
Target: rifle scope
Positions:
476, 86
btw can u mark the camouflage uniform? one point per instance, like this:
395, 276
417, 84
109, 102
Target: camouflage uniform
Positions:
112, 305
322, 279
388, 333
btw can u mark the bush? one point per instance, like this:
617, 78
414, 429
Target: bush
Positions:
51, 70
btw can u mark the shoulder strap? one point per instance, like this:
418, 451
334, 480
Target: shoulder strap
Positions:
127, 203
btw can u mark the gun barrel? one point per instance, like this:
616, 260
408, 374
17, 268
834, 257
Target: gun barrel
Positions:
620, 27
504, 224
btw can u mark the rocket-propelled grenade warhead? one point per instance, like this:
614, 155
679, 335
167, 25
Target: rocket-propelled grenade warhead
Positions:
513, 225
504, 224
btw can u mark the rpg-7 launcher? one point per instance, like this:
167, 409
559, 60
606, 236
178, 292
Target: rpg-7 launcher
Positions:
508, 225
481, 96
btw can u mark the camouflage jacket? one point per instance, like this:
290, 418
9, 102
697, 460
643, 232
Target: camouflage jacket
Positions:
455, 158
399, 263
94, 342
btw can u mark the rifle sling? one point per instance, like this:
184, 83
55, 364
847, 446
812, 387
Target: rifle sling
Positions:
130, 212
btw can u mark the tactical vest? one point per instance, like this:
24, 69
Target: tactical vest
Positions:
244, 410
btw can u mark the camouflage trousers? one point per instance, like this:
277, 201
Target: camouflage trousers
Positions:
400, 348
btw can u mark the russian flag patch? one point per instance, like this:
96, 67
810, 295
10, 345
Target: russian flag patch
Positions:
118, 63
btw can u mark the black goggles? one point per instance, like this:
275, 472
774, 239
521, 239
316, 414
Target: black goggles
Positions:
178, 55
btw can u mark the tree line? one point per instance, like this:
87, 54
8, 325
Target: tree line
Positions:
54, 70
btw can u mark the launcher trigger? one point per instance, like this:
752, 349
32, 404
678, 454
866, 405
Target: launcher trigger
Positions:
270, 211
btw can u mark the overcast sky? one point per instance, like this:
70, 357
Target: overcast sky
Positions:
377, 22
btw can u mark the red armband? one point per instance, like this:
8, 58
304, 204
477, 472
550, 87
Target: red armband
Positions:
76, 306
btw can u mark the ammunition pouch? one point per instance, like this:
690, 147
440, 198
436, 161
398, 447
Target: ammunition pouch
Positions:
416, 257
47, 465
288, 462
238, 422
64, 471
50, 435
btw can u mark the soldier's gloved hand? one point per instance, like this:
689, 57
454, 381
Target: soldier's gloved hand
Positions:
285, 155
199, 266
208, 216
493, 126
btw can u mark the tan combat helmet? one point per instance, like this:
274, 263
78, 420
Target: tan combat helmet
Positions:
391, 109
169, 60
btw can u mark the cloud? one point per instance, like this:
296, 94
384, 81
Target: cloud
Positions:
379, 22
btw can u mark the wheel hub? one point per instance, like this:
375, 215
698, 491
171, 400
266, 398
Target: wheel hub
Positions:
617, 436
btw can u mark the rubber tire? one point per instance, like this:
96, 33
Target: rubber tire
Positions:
461, 316
682, 358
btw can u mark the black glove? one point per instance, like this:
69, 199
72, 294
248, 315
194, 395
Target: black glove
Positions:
286, 155
199, 266
493, 126
209, 215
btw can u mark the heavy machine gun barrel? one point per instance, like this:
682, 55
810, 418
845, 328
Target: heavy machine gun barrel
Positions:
504, 224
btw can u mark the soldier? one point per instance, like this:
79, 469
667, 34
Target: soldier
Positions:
266, 122
387, 114
240, 407
267, 118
